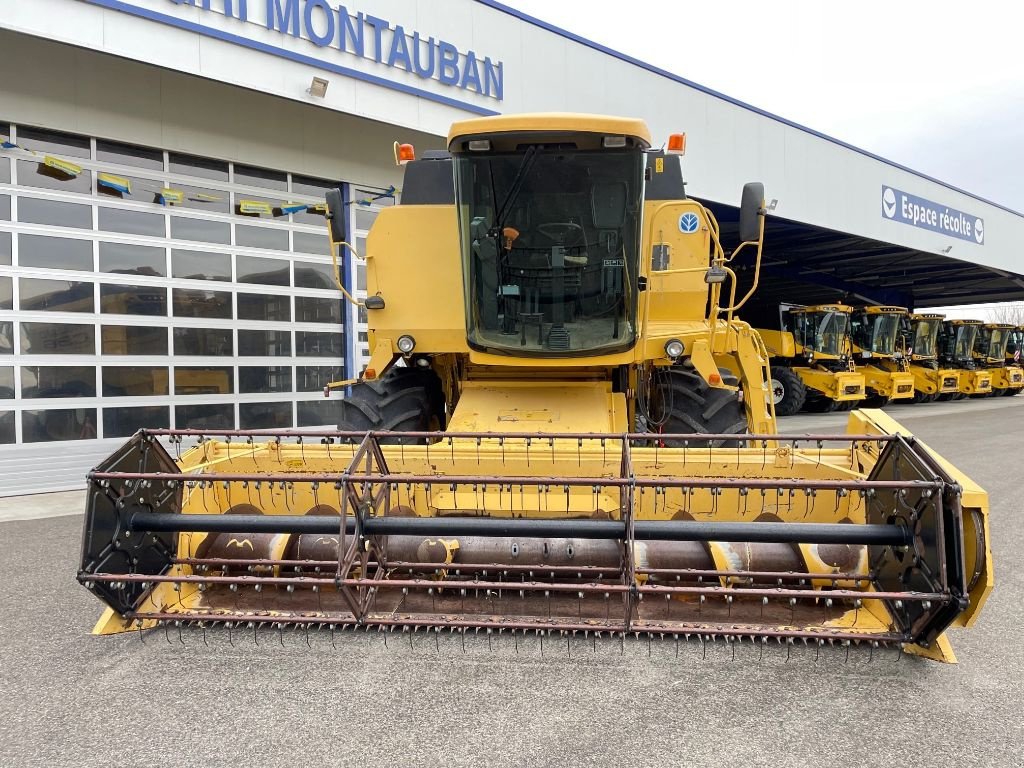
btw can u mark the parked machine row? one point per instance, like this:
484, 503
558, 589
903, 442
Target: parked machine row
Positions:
837, 357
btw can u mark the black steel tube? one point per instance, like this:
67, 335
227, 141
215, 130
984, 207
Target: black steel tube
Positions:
644, 530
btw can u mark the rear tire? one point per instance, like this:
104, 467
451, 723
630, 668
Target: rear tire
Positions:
816, 402
788, 391
874, 400
685, 403
402, 400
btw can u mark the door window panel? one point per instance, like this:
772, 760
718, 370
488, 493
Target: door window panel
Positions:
310, 275
59, 424
204, 380
318, 413
316, 309
54, 252
219, 416
318, 344
199, 303
57, 339
39, 295
39, 381
116, 299
32, 210
125, 422
265, 415
203, 341
260, 379
200, 230
125, 259
129, 154
135, 381
259, 343
252, 269
200, 265
259, 306
261, 237
134, 340
131, 222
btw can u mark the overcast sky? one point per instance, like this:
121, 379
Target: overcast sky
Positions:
937, 86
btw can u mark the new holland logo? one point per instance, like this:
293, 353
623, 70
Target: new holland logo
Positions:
688, 222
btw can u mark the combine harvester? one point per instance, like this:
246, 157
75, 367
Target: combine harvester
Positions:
547, 440
920, 337
880, 354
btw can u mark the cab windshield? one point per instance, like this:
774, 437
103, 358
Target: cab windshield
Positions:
965, 336
925, 332
822, 332
883, 334
997, 344
551, 241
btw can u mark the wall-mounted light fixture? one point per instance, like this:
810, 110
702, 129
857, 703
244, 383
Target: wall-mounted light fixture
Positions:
318, 88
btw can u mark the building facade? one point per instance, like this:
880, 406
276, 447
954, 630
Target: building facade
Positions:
163, 257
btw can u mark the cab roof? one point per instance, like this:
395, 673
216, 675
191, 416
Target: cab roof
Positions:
551, 122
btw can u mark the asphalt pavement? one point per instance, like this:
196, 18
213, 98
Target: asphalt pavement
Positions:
71, 699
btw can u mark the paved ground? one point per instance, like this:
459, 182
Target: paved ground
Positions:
72, 699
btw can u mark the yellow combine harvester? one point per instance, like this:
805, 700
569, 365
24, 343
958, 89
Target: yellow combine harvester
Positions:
544, 441
880, 355
956, 350
990, 353
811, 362
920, 336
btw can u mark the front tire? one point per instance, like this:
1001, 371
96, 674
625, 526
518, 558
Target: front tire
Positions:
402, 400
788, 391
684, 403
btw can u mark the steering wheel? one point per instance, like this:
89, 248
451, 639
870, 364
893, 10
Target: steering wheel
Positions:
561, 231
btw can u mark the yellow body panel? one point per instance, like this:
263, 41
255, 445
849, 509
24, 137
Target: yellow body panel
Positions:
977, 382
524, 406
1007, 377
842, 386
895, 385
551, 121
935, 381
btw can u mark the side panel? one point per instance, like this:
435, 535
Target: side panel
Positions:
413, 263
676, 250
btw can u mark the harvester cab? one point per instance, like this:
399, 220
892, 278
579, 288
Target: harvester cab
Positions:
881, 354
956, 350
811, 359
543, 441
1014, 353
990, 352
920, 337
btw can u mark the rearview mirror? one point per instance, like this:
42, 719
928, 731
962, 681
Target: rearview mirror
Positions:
750, 212
336, 215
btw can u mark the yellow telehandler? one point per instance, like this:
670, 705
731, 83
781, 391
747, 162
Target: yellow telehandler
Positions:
544, 442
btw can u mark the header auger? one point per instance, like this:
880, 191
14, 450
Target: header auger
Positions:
563, 428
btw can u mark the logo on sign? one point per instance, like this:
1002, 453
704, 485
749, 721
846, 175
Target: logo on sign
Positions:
888, 203
927, 214
689, 222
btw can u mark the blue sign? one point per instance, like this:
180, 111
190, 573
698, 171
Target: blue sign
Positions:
925, 214
368, 37
689, 222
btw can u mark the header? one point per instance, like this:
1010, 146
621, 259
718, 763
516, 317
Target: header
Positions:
369, 37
